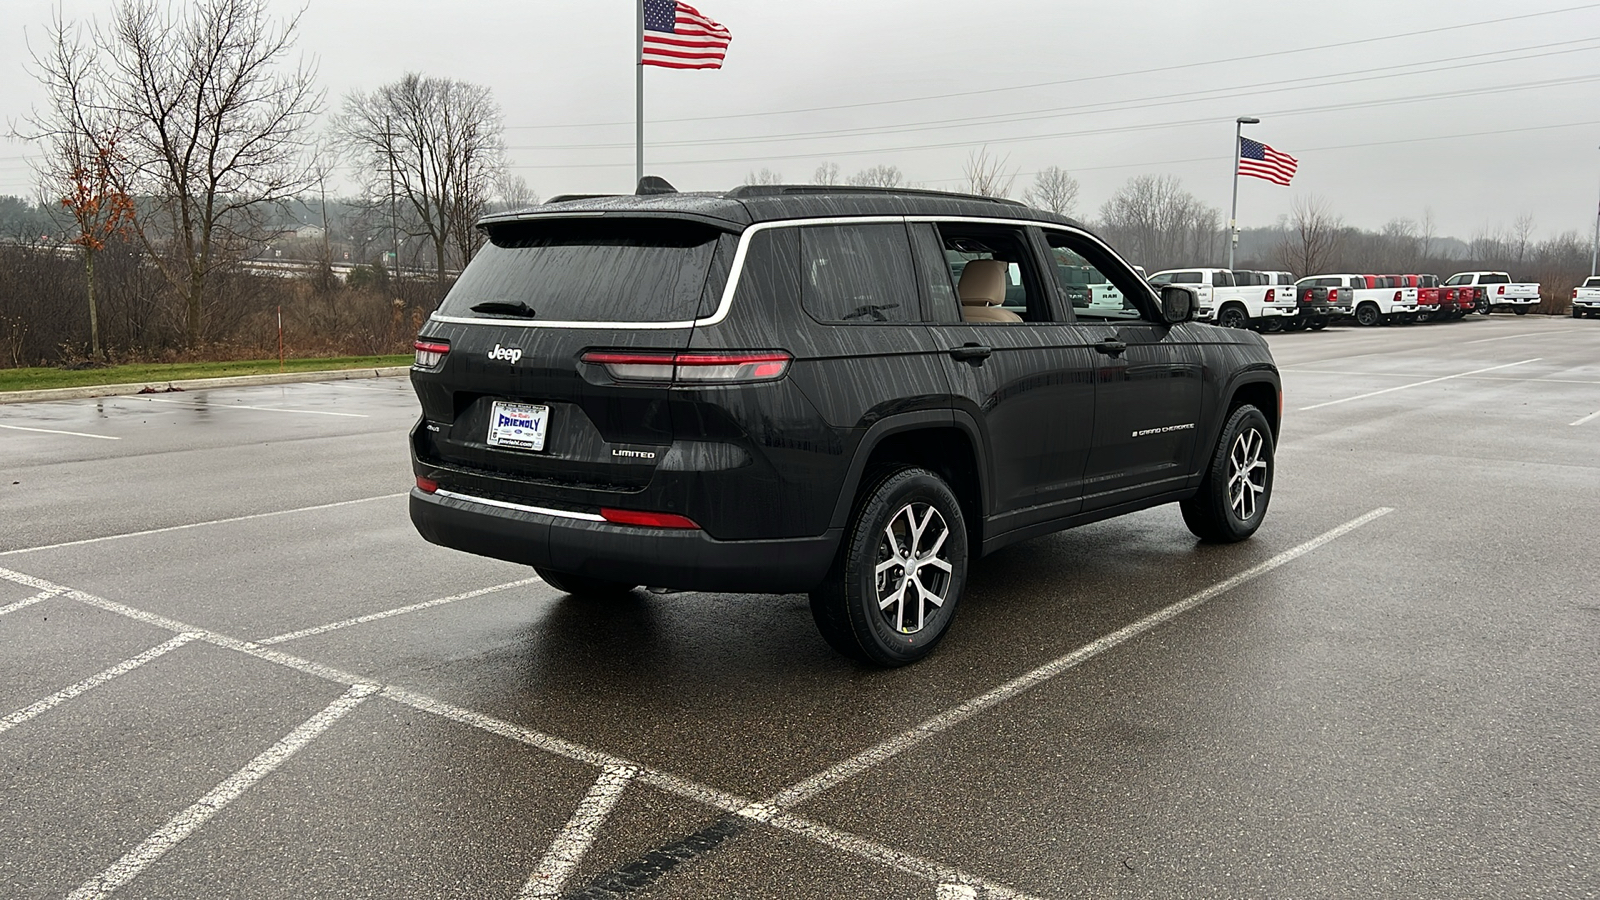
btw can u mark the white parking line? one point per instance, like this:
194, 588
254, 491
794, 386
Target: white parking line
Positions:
1589, 418
804, 790
709, 796
265, 515
1418, 384
93, 681
1507, 337
771, 812
25, 603
210, 407
1419, 375
185, 823
397, 611
98, 437
567, 850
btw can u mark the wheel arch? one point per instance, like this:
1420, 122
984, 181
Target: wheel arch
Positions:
948, 443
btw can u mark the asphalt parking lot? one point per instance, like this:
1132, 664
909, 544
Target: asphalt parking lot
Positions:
236, 671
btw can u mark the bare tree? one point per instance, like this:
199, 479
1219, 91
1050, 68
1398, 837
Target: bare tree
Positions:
1159, 224
434, 146
878, 176
1055, 190
765, 176
1427, 231
1522, 237
211, 126
513, 192
1398, 246
827, 173
1313, 237
986, 175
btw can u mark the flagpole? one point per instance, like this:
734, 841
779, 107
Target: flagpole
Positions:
639, 58
1233, 217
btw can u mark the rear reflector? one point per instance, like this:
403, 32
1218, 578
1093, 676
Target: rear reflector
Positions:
427, 485
646, 519
680, 368
430, 353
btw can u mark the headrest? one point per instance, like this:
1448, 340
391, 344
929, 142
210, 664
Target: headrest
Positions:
983, 283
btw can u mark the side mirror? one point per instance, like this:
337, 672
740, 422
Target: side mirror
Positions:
1178, 303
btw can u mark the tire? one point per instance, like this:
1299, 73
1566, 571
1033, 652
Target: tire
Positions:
1271, 325
1483, 309
1576, 313
864, 608
1233, 316
1317, 324
1295, 324
1237, 484
1522, 310
1367, 315
584, 586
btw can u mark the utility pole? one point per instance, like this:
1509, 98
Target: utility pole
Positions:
394, 202
1594, 258
1233, 218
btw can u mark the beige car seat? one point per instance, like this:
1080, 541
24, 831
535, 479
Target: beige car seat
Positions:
983, 290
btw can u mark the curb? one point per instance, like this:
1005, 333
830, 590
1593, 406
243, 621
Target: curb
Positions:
196, 384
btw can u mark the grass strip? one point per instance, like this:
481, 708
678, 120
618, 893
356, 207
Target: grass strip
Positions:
45, 378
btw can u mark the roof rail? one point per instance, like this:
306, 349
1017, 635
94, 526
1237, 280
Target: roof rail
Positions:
562, 198
778, 190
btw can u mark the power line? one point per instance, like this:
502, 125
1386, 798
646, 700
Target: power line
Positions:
1085, 78
1156, 100
1098, 131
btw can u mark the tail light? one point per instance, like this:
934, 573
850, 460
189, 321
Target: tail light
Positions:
1574, 293
647, 519
427, 485
692, 367
1501, 290
430, 352
1333, 295
1397, 296
1271, 295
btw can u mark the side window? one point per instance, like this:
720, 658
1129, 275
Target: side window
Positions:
1456, 279
936, 274
1223, 278
858, 274
994, 272
1082, 269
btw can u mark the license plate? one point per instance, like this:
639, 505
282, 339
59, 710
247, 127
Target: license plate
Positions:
518, 425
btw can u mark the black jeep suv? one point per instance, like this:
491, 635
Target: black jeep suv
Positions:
847, 392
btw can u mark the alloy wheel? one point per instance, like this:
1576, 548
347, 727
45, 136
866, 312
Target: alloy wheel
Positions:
1247, 473
914, 570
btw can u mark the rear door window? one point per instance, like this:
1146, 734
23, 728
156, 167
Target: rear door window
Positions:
858, 274
587, 270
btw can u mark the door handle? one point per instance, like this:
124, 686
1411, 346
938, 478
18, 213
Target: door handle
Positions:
1111, 346
971, 352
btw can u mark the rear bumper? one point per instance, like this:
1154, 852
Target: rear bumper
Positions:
658, 557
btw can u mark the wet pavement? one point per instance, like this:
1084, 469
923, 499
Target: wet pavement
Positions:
232, 669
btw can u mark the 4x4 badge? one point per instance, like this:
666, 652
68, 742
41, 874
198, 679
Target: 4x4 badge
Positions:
511, 354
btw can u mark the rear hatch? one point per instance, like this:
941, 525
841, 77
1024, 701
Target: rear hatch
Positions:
513, 411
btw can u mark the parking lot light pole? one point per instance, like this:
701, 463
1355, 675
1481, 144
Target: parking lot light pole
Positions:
1233, 218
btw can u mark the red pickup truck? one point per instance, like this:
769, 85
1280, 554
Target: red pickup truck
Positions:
1427, 293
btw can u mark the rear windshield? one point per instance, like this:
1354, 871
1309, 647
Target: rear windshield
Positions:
589, 270
1494, 278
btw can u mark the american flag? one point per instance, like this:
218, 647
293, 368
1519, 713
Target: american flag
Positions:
677, 36
1256, 158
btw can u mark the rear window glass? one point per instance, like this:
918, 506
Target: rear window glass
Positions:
589, 270
1495, 279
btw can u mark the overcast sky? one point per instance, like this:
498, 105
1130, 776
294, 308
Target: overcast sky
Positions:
1041, 82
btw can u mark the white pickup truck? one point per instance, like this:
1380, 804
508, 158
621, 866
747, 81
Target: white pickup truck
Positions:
1229, 300
1374, 299
1499, 291
1586, 298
